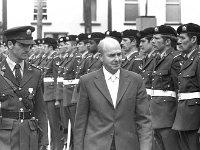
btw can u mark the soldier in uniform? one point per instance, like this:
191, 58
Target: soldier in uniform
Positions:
163, 103
187, 120
146, 48
69, 82
23, 120
50, 71
93, 62
130, 43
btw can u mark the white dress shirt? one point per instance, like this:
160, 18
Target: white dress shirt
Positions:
12, 64
112, 81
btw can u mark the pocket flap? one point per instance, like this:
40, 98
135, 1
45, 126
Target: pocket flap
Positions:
162, 72
189, 74
6, 123
193, 102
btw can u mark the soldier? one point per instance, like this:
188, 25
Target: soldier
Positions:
146, 48
63, 54
93, 63
50, 71
69, 82
130, 42
23, 124
187, 120
163, 103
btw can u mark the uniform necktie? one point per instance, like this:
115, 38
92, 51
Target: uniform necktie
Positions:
18, 75
158, 58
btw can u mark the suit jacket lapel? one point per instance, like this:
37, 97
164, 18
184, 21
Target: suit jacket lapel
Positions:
27, 74
8, 73
124, 82
102, 86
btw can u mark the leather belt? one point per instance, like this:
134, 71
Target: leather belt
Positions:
160, 93
69, 82
17, 114
184, 96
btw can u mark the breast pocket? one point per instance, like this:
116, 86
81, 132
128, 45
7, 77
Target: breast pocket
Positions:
190, 76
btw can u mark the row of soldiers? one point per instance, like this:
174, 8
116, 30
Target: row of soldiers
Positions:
167, 59
63, 62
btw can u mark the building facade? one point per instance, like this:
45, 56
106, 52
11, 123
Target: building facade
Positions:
63, 17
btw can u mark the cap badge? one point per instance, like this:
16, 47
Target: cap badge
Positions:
107, 33
184, 28
89, 36
61, 39
28, 32
77, 39
67, 38
156, 29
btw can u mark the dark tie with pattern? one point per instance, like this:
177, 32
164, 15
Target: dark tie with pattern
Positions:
18, 75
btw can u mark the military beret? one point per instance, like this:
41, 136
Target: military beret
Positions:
147, 32
62, 39
38, 41
50, 41
130, 33
71, 38
189, 28
22, 34
82, 37
96, 36
114, 34
165, 30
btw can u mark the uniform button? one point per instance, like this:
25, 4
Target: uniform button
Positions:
20, 88
20, 99
164, 100
196, 102
154, 72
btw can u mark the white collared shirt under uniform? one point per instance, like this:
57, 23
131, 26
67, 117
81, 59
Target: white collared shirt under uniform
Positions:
12, 64
112, 81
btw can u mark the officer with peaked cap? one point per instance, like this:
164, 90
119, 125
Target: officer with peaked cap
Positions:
22, 108
164, 87
187, 120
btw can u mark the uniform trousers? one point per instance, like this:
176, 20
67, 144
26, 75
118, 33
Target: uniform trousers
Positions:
167, 139
189, 140
56, 134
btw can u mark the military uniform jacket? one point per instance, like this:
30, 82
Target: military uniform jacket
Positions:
14, 134
147, 70
50, 69
70, 70
132, 63
165, 78
93, 63
187, 116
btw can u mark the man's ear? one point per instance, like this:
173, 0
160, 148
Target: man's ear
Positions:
10, 44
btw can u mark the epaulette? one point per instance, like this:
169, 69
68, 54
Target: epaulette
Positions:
176, 54
34, 66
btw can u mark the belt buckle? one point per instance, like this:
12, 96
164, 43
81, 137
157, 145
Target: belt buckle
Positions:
21, 114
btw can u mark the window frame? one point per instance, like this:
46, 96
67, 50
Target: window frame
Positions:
136, 2
178, 3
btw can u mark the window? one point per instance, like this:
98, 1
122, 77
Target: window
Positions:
131, 11
44, 10
173, 11
93, 10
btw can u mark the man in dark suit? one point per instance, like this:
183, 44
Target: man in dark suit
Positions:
187, 120
22, 108
113, 109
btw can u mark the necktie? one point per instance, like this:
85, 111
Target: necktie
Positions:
18, 75
158, 58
